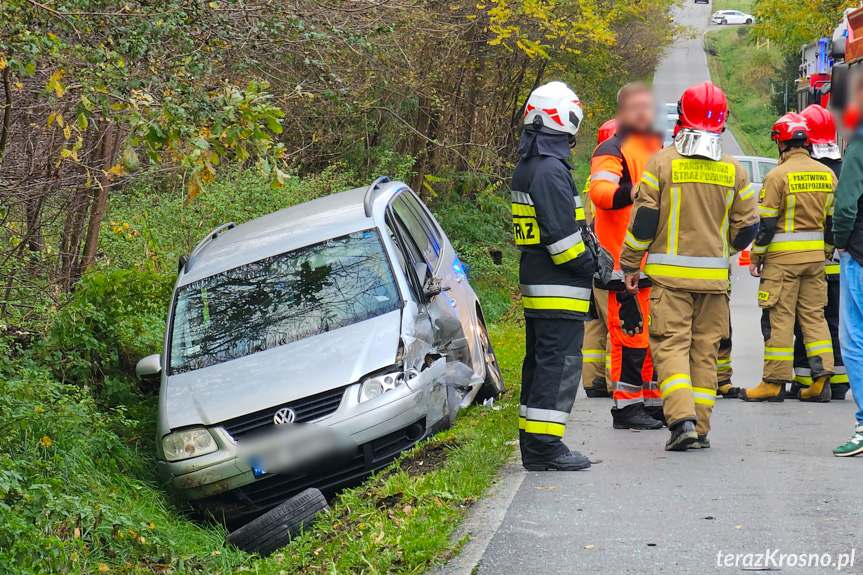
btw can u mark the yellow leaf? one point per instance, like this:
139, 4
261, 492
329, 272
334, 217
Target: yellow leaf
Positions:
588, 546
65, 153
3, 61
51, 118
104, 568
67, 131
59, 120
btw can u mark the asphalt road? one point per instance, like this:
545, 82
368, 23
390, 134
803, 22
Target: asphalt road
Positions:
685, 64
769, 482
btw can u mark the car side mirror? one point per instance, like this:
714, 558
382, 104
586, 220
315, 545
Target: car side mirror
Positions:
433, 287
150, 367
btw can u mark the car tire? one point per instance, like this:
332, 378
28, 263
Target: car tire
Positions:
493, 385
276, 528
724, 22
749, 20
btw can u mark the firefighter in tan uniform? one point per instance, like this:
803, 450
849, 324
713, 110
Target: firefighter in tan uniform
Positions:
694, 206
796, 207
595, 351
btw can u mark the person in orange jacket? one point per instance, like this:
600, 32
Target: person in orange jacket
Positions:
595, 351
615, 171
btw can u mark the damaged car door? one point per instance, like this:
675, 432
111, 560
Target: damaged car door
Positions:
431, 329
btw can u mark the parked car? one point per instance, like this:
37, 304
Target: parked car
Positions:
671, 115
757, 168
350, 314
732, 17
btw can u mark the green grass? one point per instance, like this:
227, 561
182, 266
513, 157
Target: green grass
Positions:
742, 5
743, 72
79, 493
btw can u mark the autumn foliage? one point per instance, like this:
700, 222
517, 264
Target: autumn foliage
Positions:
96, 94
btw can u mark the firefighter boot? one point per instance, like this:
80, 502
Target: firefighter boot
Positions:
794, 390
682, 435
818, 392
725, 389
571, 461
599, 388
838, 390
634, 417
702, 443
766, 391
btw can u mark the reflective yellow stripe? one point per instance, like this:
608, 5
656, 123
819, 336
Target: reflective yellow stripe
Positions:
650, 180
523, 210
674, 383
810, 182
790, 206
673, 221
746, 192
723, 364
543, 427
767, 212
819, 347
634, 243
796, 246
832, 269
703, 395
526, 230
593, 355
569, 254
686, 273
579, 213
840, 378
552, 303
703, 172
779, 353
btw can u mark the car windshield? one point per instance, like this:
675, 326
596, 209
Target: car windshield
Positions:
281, 299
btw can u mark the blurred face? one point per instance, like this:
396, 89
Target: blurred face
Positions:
637, 112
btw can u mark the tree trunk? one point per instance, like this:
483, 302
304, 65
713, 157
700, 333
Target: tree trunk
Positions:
109, 150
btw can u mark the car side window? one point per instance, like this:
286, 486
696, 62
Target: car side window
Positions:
407, 254
419, 233
748, 165
764, 168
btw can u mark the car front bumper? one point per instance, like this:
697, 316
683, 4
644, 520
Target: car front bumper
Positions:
225, 485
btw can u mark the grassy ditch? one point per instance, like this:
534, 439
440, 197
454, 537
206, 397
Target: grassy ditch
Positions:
744, 73
78, 491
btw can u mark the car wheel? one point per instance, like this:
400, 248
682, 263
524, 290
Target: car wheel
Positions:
724, 22
276, 528
749, 20
493, 385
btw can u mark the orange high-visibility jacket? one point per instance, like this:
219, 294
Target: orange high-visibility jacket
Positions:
615, 169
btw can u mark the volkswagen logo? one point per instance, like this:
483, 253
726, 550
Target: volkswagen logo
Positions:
284, 415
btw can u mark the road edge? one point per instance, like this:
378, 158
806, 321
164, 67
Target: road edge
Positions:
483, 520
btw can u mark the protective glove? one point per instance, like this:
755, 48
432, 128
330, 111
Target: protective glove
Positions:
631, 320
603, 261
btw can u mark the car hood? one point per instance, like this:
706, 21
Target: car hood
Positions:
276, 376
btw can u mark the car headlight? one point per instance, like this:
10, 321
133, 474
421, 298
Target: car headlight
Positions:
380, 384
188, 443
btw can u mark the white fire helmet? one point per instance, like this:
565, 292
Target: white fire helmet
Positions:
553, 107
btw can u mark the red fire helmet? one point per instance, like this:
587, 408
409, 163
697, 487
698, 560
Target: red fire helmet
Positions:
607, 130
822, 127
791, 126
703, 107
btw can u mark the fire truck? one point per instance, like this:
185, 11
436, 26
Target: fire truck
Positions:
829, 66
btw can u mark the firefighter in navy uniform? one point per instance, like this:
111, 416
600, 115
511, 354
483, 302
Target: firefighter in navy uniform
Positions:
823, 147
555, 276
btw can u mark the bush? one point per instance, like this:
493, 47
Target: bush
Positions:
77, 494
105, 326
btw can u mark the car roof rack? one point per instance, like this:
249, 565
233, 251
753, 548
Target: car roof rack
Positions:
370, 194
204, 242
